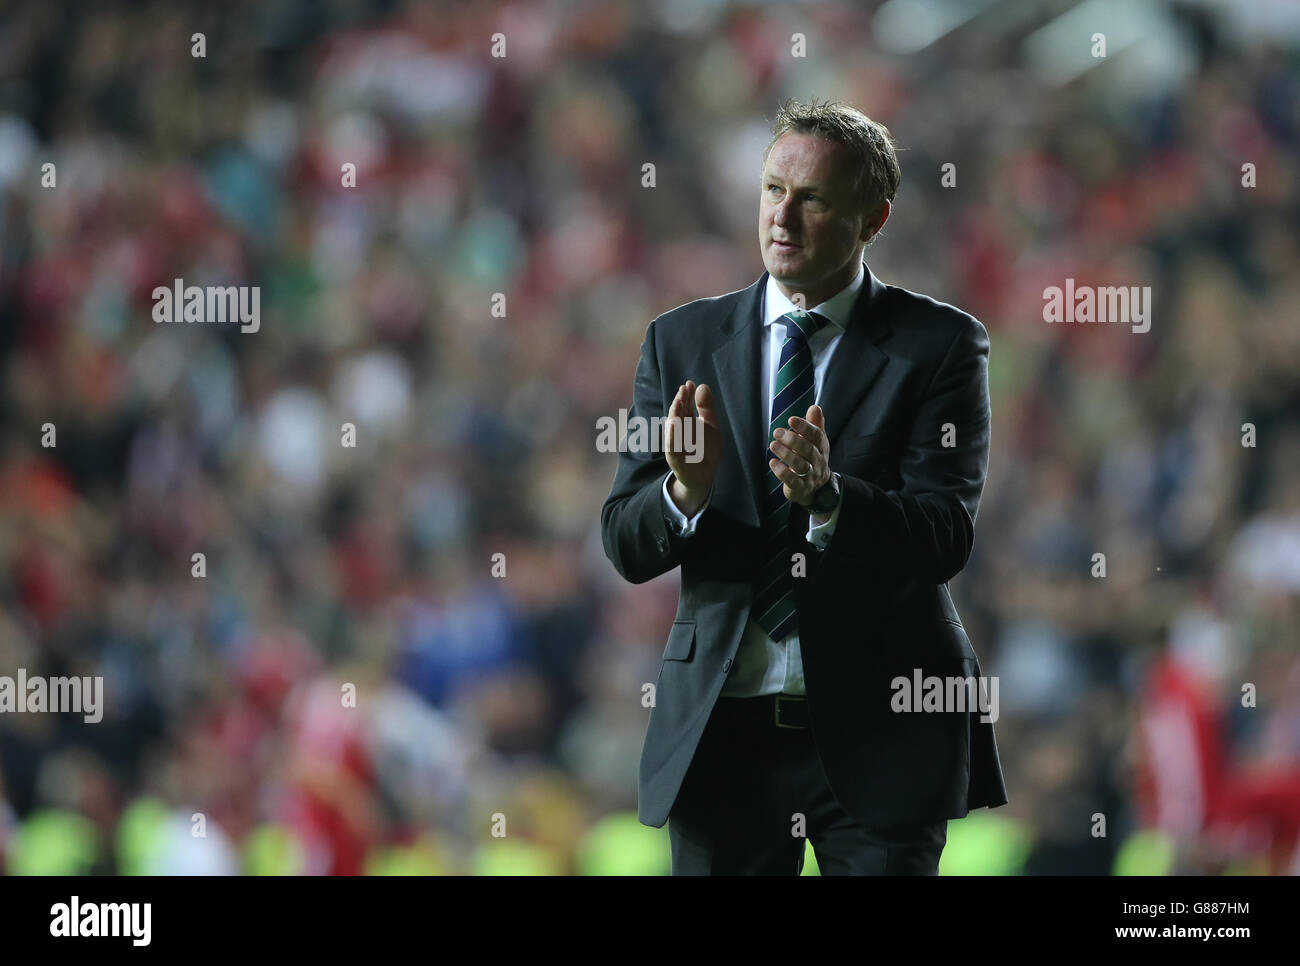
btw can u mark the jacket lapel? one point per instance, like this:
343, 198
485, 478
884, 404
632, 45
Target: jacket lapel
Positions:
854, 367
737, 362
857, 360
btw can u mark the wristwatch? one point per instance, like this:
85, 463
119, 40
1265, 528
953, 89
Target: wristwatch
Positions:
827, 498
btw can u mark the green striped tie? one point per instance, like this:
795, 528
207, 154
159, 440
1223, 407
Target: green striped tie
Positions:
774, 597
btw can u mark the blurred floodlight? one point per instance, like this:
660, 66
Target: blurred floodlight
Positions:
1063, 49
689, 16
906, 26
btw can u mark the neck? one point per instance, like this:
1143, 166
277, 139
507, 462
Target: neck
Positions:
824, 289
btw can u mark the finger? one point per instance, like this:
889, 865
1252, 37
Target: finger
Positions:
783, 473
689, 398
704, 404
793, 444
805, 455
816, 416
809, 431
786, 475
801, 466
674, 413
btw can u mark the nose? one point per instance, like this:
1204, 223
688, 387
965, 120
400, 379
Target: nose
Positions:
781, 214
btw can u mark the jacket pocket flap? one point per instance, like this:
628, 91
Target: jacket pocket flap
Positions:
681, 641
870, 443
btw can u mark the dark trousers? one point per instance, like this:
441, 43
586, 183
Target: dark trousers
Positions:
739, 808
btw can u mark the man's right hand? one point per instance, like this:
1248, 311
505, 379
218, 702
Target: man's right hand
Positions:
693, 481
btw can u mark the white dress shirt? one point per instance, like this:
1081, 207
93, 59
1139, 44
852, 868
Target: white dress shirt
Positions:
765, 666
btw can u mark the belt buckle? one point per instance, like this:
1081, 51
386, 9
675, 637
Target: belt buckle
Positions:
777, 708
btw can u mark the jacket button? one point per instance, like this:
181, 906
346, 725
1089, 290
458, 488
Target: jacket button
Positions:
726, 665
663, 545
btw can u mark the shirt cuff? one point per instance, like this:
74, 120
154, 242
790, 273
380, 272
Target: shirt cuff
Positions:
819, 535
682, 526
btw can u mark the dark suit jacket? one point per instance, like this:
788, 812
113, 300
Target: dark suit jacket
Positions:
875, 604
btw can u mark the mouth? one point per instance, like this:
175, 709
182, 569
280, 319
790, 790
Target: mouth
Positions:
785, 246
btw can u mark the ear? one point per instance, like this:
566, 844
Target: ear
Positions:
871, 227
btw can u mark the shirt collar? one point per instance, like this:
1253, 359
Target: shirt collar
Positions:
837, 308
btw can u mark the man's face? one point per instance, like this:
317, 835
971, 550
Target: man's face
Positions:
810, 228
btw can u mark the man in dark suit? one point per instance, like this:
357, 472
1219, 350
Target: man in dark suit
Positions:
827, 496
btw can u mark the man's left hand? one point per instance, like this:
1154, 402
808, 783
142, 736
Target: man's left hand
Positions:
803, 448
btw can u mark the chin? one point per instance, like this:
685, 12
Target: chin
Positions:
791, 262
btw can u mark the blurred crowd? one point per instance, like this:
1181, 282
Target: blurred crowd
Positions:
402, 649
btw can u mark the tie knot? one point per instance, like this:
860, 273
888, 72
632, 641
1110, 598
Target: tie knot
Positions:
807, 323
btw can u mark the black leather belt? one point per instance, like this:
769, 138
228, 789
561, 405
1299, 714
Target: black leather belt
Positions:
777, 710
